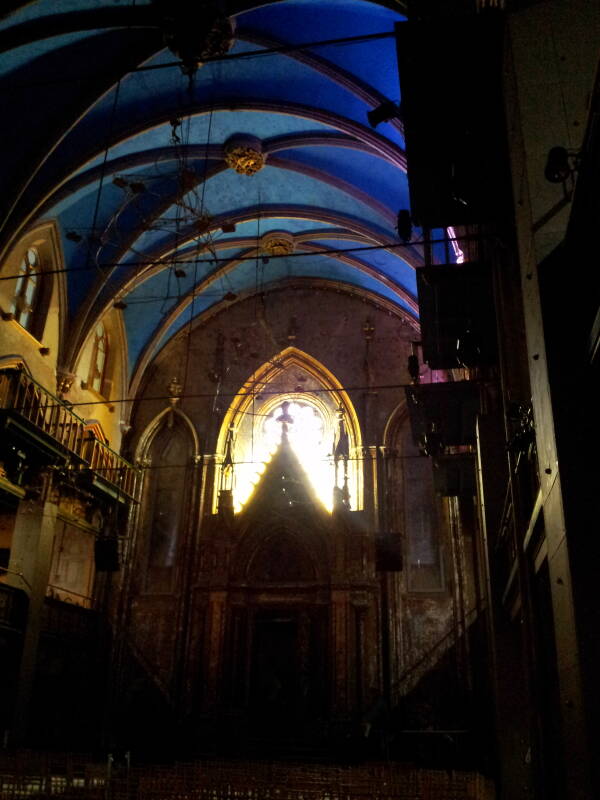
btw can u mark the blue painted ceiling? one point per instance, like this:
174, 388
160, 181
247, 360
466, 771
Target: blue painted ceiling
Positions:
126, 153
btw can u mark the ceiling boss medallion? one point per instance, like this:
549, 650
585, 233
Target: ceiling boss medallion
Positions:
277, 243
244, 154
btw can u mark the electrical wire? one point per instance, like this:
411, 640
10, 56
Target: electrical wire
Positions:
249, 393
327, 459
265, 51
213, 259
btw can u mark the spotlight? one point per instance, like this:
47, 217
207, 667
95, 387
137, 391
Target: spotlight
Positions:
404, 225
383, 113
557, 168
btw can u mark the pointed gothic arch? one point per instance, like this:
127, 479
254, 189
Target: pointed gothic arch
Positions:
302, 380
414, 507
166, 450
145, 441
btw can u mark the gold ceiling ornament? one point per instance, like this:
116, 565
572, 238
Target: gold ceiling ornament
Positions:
277, 243
244, 154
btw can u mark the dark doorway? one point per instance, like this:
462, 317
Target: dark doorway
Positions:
275, 675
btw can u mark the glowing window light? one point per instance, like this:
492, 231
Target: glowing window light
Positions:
458, 253
310, 436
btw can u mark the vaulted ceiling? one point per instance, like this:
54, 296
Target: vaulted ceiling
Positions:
107, 135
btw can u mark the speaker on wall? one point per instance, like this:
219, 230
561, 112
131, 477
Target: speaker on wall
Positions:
458, 318
106, 552
452, 109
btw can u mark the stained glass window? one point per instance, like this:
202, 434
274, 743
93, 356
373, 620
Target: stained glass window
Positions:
99, 354
310, 436
27, 287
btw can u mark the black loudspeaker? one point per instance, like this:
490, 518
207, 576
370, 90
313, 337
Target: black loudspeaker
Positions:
452, 108
106, 553
448, 409
458, 318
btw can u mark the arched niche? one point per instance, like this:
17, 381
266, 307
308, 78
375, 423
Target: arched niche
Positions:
262, 540
249, 433
281, 559
166, 453
414, 508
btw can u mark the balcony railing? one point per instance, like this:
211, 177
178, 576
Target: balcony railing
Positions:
109, 466
23, 398
22, 394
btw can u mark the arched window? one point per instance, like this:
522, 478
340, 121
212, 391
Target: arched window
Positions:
27, 288
304, 401
98, 362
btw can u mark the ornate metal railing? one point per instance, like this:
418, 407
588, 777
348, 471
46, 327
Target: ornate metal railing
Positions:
109, 465
24, 398
22, 394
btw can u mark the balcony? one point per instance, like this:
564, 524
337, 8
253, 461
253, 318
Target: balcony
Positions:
38, 420
107, 471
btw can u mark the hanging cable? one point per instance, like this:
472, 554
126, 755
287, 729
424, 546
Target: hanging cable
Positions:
212, 259
101, 182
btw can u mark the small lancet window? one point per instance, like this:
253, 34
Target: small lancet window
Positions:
99, 353
27, 288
